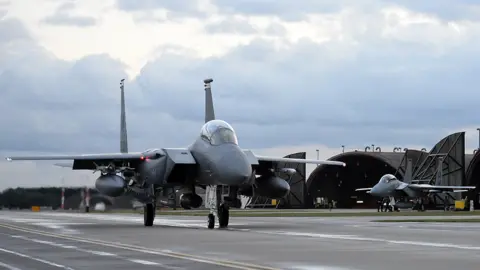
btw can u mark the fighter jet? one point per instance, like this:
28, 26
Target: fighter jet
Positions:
390, 186
212, 161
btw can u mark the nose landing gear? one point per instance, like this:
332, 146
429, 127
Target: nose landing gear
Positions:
217, 207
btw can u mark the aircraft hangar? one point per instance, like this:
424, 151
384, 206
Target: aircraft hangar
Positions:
365, 167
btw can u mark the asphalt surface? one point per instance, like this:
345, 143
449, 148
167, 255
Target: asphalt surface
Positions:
49, 240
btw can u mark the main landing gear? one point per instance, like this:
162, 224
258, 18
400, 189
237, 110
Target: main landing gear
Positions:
149, 209
217, 207
148, 214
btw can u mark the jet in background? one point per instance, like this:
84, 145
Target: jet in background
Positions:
213, 160
390, 186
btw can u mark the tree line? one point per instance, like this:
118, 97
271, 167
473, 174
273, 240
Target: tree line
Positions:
25, 198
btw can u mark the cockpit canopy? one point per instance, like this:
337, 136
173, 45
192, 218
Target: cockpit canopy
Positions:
387, 178
218, 132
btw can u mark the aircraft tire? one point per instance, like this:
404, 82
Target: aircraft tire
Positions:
148, 214
223, 216
211, 221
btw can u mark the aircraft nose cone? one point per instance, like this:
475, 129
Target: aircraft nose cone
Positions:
374, 191
235, 168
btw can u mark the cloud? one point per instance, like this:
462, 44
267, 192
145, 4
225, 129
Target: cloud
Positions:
445, 9
302, 91
173, 9
4, 8
62, 17
298, 10
384, 76
287, 10
231, 27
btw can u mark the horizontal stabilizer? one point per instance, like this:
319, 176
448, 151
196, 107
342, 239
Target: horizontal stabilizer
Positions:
363, 189
432, 188
442, 191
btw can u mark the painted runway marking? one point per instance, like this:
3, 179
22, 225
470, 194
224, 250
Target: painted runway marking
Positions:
118, 245
35, 259
143, 262
8, 266
368, 239
176, 223
195, 223
99, 253
102, 253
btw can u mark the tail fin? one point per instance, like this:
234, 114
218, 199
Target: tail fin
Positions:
209, 111
123, 121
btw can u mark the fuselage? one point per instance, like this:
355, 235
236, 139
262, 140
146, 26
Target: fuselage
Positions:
220, 160
389, 185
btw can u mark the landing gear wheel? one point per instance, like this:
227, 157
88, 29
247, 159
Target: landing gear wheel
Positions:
211, 221
223, 215
148, 214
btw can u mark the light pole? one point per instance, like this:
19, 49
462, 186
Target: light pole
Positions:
318, 155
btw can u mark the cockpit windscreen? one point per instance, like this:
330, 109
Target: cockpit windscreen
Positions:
219, 132
387, 178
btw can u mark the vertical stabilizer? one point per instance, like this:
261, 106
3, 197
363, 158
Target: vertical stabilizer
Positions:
408, 172
123, 121
209, 111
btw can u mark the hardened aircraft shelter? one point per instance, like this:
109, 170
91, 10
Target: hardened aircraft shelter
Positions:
365, 167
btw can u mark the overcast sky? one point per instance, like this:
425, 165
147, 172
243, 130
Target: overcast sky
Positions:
289, 75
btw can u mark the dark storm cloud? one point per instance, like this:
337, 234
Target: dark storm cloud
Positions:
305, 93
62, 17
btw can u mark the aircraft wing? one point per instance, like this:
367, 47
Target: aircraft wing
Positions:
432, 188
103, 156
91, 161
299, 160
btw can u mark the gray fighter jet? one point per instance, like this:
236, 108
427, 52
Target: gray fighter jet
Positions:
390, 186
212, 161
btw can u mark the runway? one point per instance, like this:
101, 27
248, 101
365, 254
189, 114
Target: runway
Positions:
50, 240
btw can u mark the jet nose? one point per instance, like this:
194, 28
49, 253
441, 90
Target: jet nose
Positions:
374, 191
235, 168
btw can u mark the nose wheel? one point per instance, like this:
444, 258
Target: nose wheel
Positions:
223, 215
221, 212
